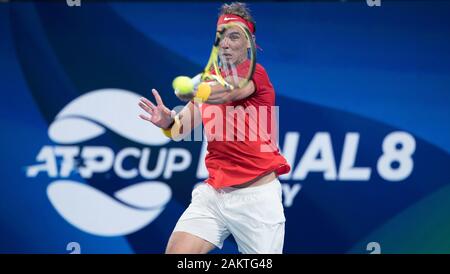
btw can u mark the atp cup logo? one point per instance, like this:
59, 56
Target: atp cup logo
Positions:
82, 205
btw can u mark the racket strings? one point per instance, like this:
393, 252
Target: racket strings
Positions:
230, 71
220, 66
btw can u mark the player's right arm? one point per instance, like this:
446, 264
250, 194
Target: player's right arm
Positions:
161, 116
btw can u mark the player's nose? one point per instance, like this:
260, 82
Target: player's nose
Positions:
224, 43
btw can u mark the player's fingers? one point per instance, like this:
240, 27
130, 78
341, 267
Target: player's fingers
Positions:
145, 117
147, 102
157, 97
146, 108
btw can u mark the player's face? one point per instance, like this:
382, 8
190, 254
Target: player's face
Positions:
233, 48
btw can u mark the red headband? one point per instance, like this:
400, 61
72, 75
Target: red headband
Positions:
227, 18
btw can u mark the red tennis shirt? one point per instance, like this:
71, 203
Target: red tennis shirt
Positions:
241, 135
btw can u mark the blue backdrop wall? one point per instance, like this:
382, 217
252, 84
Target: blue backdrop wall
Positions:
364, 110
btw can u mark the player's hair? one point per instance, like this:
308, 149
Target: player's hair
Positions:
239, 9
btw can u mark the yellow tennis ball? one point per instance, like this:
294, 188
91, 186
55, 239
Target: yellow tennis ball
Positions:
183, 85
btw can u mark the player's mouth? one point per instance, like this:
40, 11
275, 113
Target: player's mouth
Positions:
227, 56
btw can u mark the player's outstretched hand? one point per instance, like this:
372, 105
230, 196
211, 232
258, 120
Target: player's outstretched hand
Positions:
159, 115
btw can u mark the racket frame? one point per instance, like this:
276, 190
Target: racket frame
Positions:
214, 65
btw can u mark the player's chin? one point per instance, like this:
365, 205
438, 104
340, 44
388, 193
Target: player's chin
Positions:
233, 60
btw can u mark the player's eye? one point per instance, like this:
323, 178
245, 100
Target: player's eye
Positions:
234, 36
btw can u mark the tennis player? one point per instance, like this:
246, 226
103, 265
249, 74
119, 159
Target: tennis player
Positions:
242, 195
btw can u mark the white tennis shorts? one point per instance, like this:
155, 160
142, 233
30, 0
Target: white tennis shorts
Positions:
253, 215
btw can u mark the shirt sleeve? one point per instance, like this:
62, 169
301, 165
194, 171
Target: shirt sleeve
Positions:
264, 92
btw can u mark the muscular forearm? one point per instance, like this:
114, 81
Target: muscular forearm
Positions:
219, 95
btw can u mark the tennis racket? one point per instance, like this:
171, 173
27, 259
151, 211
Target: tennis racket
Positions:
231, 65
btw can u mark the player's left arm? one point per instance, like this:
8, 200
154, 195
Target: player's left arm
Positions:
219, 95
